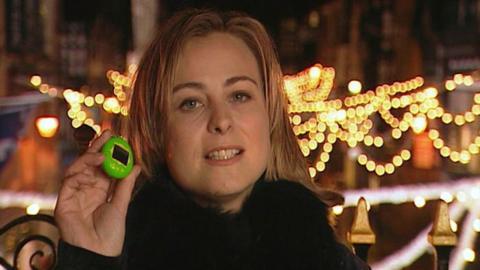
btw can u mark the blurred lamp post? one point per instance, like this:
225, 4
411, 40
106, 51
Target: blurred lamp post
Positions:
47, 126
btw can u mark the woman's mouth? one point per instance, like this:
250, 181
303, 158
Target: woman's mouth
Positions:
223, 154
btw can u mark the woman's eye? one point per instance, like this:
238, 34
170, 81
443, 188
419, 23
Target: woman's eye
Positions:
190, 104
241, 97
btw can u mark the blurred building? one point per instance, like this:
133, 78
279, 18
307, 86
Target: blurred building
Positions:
72, 44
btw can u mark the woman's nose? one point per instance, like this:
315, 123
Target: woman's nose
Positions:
220, 121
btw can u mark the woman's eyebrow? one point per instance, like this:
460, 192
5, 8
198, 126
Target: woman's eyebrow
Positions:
201, 86
195, 85
236, 79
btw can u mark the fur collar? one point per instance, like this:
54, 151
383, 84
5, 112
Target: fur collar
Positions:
282, 225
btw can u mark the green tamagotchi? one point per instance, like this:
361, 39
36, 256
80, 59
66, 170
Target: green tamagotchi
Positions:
118, 162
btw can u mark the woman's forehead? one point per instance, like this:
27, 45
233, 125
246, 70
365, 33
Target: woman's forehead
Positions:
215, 56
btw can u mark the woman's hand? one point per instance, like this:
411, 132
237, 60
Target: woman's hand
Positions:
91, 208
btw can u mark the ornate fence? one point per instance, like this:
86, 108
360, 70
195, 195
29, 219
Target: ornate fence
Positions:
41, 252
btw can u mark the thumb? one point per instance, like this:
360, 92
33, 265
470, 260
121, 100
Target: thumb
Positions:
124, 188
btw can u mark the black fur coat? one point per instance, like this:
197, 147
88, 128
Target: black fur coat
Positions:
282, 225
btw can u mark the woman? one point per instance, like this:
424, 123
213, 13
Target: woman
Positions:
211, 135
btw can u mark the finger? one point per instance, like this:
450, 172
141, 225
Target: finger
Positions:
123, 191
75, 181
85, 163
98, 142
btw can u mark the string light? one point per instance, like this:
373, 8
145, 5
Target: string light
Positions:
33, 209
76, 99
347, 120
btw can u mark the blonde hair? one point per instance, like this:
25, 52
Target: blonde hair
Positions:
154, 83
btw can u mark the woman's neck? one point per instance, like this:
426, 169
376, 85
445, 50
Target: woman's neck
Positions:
231, 203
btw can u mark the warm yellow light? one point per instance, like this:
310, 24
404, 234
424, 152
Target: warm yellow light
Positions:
378, 141
89, 101
469, 117
99, 98
370, 166
476, 109
433, 134
81, 116
320, 166
405, 154
352, 142
33, 209
312, 144
468, 80
72, 113
431, 92
331, 138
319, 137
453, 226
296, 119
445, 151
419, 124
450, 85
312, 172
47, 126
455, 156
380, 170
36, 80
97, 129
473, 149
362, 159
419, 202
447, 118
458, 78
459, 120
396, 103
337, 210
72, 97
89, 122
124, 110
110, 104
403, 126
396, 133
354, 87
328, 147
414, 108
476, 225
476, 98
465, 157
324, 157
468, 255
314, 72
438, 143
397, 161
446, 196
43, 88
389, 168
76, 123
368, 140
341, 115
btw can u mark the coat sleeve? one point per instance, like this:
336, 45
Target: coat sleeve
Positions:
349, 260
76, 258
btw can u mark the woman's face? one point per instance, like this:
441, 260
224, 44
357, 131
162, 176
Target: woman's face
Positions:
218, 130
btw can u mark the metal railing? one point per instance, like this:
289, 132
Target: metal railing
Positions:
38, 253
